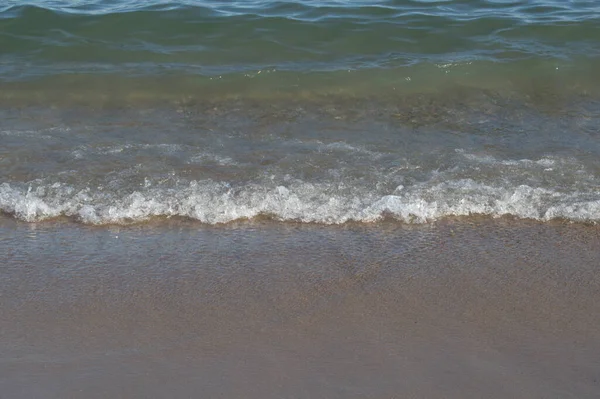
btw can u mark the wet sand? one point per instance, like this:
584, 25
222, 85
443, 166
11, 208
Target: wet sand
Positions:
464, 308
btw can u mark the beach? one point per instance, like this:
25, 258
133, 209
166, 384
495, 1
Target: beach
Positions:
299, 199
462, 308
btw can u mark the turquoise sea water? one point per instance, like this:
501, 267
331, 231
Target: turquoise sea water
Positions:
319, 111
290, 45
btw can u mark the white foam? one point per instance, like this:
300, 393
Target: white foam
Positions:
345, 147
489, 159
204, 157
25, 133
217, 202
117, 149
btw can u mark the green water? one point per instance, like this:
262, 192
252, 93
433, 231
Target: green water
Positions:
311, 111
91, 50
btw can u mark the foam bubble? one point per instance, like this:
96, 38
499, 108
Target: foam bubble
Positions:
491, 160
218, 202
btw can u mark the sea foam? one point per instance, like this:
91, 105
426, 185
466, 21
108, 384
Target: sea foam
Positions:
214, 202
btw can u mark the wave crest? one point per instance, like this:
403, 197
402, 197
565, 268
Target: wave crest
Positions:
217, 202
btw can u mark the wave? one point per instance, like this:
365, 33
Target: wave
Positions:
305, 35
524, 83
214, 202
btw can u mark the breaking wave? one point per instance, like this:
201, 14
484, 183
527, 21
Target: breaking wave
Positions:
214, 202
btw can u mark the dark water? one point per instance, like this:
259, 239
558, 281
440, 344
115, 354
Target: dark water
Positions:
239, 39
313, 111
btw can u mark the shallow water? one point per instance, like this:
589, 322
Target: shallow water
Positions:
352, 161
327, 112
299, 199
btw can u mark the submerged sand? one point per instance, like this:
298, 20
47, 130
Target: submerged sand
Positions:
457, 309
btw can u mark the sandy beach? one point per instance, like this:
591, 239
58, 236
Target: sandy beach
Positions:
299, 199
461, 308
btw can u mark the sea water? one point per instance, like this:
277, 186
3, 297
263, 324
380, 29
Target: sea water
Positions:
308, 111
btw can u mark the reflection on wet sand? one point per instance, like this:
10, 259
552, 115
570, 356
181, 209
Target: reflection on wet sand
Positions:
461, 308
